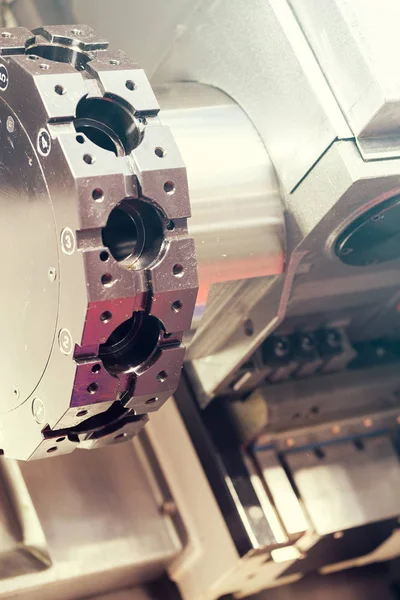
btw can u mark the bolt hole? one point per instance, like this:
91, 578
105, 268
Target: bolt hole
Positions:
120, 436
160, 152
33, 57
80, 139
346, 251
248, 327
59, 440
178, 270
92, 388
44, 67
52, 449
6, 34
76, 31
81, 413
162, 376
104, 256
106, 316
115, 62
60, 90
377, 218
359, 445
98, 195
96, 369
107, 279
319, 453
170, 225
169, 187
314, 410
152, 401
89, 159
130, 85
176, 306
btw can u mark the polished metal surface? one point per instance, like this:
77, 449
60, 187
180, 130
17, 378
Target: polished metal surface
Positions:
345, 486
237, 218
92, 525
101, 272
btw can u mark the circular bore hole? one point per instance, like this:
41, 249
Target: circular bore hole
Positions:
120, 436
60, 90
59, 440
33, 57
248, 327
169, 187
81, 413
92, 388
104, 256
106, 316
130, 85
89, 159
106, 279
131, 344
44, 67
176, 306
6, 34
178, 270
98, 195
160, 152
124, 234
76, 31
80, 139
52, 449
152, 401
115, 62
96, 369
170, 225
162, 376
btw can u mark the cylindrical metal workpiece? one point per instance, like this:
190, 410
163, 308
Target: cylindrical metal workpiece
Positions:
237, 217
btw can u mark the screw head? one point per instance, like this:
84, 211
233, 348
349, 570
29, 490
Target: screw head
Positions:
10, 124
65, 341
52, 274
38, 411
68, 241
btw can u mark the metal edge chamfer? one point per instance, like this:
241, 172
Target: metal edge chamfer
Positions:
112, 286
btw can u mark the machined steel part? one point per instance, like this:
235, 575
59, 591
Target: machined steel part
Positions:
99, 272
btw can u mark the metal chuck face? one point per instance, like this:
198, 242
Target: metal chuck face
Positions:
99, 276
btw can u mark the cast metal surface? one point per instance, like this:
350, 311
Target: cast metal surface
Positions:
101, 276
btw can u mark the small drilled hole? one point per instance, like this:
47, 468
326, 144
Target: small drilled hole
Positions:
104, 256
96, 369
106, 279
106, 316
248, 327
115, 62
169, 187
44, 67
152, 401
319, 453
178, 270
33, 57
6, 34
130, 85
52, 449
80, 139
162, 376
89, 159
76, 31
81, 413
170, 225
60, 90
92, 388
314, 410
59, 440
98, 195
120, 436
160, 152
176, 306
359, 445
